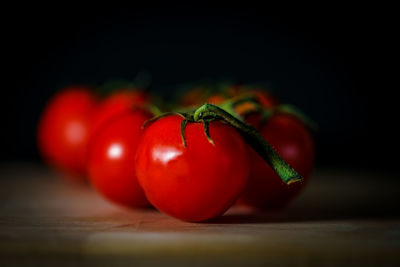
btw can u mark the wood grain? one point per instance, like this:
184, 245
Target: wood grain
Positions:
342, 217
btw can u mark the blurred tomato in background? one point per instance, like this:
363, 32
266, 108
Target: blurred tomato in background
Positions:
116, 103
65, 127
295, 144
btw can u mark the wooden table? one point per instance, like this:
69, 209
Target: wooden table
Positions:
342, 217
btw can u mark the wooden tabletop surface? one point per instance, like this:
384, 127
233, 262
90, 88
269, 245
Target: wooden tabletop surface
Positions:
343, 217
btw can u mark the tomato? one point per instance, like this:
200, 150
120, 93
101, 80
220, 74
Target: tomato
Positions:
294, 143
263, 97
117, 103
64, 129
194, 97
112, 157
216, 99
266, 99
197, 182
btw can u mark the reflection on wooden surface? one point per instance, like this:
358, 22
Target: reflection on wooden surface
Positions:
342, 217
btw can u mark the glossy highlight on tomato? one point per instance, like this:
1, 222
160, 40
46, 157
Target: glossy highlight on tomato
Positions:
64, 129
294, 143
112, 160
197, 182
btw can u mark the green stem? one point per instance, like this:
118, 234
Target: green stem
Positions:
154, 110
228, 106
163, 115
253, 138
231, 105
183, 127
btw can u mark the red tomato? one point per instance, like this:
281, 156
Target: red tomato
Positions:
116, 104
112, 157
216, 99
266, 99
197, 182
194, 97
295, 145
64, 129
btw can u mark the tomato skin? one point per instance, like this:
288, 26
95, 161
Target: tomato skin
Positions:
266, 99
111, 162
118, 103
194, 97
197, 182
64, 129
295, 145
216, 99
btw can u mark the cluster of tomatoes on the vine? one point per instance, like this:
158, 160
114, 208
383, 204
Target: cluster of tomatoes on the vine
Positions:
237, 145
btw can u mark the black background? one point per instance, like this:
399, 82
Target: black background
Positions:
333, 63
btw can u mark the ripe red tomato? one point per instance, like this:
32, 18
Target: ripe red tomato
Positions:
112, 157
117, 103
266, 99
64, 129
295, 145
197, 182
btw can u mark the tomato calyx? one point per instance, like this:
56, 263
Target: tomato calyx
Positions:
253, 138
187, 118
208, 113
